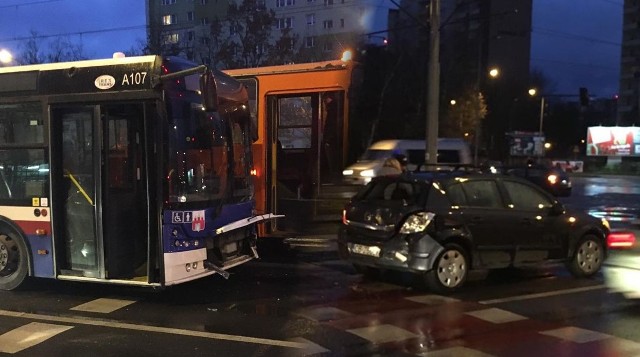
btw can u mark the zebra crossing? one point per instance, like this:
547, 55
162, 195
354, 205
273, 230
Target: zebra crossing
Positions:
416, 325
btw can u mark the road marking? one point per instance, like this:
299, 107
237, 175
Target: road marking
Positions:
312, 348
576, 334
496, 316
432, 299
103, 305
382, 333
454, 352
324, 313
157, 329
29, 335
542, 295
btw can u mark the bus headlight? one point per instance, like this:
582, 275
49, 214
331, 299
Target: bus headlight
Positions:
347, 172
417, 222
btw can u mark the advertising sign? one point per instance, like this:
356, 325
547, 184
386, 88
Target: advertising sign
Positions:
613, 141
523, 143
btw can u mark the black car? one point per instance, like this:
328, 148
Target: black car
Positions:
443, 225
553, 179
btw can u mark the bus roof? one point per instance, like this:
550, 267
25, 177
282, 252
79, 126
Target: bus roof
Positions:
78, 64
289, 68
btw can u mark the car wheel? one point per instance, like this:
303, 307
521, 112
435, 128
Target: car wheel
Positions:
449, 271
587, 257
13, 261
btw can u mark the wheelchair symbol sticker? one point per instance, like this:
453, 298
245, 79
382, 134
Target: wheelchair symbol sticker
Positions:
177, 217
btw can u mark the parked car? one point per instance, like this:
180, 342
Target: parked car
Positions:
622, 268
553, 179
441, 225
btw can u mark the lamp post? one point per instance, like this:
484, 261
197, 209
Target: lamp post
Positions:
533, 92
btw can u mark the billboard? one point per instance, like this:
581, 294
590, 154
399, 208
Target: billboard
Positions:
613, 141
524, 143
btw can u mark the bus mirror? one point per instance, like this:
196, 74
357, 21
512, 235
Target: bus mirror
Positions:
209, 92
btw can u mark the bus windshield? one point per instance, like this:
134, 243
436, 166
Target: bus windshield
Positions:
209, 153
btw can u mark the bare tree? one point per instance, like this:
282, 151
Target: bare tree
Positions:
30, 50
249, 24
61, 49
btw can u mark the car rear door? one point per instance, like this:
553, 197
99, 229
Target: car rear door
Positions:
540, 236
480, 207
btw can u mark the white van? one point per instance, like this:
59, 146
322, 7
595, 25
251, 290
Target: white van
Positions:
450, 151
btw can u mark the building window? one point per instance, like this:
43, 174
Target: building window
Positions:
311, 19
327, 24
191, 35
341, 22
328, 46
168, 2
309, 42
283, 3
171, 39
204, 2
204, 41
190, 16
285, 23
328, 2
169, 19
204, 21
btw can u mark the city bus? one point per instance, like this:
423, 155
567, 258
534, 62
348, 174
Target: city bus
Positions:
131, 170
301, 134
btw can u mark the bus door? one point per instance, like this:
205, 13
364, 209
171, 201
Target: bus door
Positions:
307, 137
99, 216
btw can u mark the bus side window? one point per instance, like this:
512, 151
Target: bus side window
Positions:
5, 191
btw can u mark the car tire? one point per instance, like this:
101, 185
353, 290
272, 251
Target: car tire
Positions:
450, 270
14, 264
587, 257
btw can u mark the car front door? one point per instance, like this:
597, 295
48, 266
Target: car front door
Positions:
540, 236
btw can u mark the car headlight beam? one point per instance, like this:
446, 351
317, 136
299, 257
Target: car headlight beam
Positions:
417, 222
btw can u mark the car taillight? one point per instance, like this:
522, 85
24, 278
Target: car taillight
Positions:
621, 240
344, 216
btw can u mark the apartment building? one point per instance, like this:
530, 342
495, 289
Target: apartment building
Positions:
629, 93
320, 29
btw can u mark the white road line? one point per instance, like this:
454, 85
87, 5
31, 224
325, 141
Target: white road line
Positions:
157, 329
383, 333
542, 295
103, 305
29, 335
496, 316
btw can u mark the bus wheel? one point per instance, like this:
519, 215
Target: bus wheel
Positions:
13, 261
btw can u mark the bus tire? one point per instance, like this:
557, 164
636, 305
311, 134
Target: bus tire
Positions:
14, 260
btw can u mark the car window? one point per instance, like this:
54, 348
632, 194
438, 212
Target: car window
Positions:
482, 193
456, 195
392, 190
524, 197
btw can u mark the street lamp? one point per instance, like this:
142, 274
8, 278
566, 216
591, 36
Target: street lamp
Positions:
5, 56
494, 72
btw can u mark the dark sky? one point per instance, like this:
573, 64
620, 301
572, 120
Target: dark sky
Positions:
576, 43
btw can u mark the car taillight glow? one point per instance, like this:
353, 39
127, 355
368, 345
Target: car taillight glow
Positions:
621, 240
344, 216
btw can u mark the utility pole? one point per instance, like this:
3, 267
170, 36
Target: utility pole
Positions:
433, 85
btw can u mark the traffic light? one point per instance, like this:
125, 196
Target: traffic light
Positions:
584, 97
